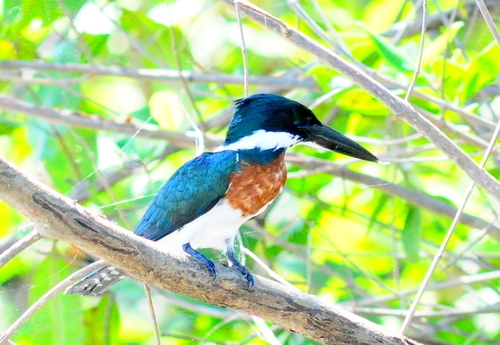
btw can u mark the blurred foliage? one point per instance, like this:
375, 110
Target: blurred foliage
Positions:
356, 244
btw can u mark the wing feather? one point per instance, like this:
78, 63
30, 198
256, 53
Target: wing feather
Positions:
192, 191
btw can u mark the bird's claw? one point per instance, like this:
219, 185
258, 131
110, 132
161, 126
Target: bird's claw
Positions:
211, 268
197, 255
246, 274
240, 268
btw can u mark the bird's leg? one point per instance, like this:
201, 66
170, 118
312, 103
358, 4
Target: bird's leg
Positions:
231, 258
196, 254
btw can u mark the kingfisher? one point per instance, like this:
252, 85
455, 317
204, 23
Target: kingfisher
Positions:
206, 201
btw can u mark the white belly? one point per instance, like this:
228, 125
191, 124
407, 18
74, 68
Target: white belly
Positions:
215, 229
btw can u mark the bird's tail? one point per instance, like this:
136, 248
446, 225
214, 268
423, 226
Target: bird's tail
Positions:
96, 282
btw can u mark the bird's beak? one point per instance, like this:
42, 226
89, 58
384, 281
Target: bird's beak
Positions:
332, 140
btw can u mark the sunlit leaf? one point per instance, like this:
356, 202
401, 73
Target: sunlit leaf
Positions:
436, 48
69, 155
379, 207
361, 101
7, 50
482, 71
60, 320
380, 14
411, 234
102, 322
166, 109
396, 56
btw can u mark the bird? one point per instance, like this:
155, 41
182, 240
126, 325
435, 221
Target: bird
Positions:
207, 200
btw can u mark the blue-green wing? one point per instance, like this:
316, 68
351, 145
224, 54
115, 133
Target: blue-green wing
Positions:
192, 191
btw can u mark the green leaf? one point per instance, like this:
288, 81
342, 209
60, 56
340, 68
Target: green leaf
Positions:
103, 322
68, 154
482, 71
159, 33
359, 100
60, 320
381, 14
439, 45
379, 206
144, 114
8, 127
411, 235
96, 43
394, 55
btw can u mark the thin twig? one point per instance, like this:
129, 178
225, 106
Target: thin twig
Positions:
456, 282
243, 48
426, 314
151, 307
265, 332
489, 21
185, 84
82, 43
19, 246
47, 297
75, 119
268, 269
42, 81
339, 47
163, 75
420, 51
436, 260
133, 43
436, 100
478, 237
198, 133
434, 21
442, 248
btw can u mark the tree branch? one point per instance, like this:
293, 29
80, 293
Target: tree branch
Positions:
18, 247
164, 75
75, 119
58, 217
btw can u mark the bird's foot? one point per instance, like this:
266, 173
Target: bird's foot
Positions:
196, 254
234, 263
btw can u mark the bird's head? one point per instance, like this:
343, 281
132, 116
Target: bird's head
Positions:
267, 121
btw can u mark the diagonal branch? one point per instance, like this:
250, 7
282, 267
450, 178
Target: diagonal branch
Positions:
398, 106
58, 217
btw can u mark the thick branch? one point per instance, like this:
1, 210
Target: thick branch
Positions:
398, 106
59, 217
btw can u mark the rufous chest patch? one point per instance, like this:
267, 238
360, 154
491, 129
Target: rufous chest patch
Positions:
255, 186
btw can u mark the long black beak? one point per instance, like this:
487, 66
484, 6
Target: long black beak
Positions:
332, 140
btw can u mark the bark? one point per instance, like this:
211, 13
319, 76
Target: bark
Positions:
59, 217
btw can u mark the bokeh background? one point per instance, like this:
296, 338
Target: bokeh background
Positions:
103, 100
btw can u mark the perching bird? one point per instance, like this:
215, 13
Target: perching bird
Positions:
206, 201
